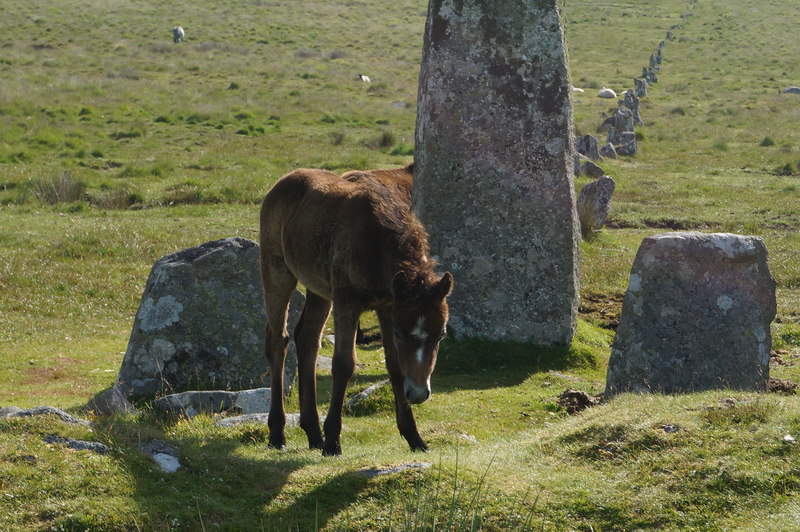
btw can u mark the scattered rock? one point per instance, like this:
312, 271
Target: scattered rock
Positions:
631, 102
189, 404
292, 420
590, 169
792, 90
373, 472
628, 148
575, 401
355, 401
44, 411
789, 439
640, 87
594, 203
108, 403
670, 429
609, 151
78, 445
324, 362
201, 323
588, 145
781, 386
696, 316
163, 455
605, 92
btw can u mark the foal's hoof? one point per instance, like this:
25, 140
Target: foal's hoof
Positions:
277, 443
332, 449
419, 447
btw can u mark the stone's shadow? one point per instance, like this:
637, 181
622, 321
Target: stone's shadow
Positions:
483, 364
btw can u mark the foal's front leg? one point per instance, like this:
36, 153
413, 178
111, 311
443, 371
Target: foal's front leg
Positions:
402, 409
345, 321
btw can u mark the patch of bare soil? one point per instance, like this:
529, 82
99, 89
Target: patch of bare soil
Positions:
602, 310
785, 387
575, 401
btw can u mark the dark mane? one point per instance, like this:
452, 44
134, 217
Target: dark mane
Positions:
406, 232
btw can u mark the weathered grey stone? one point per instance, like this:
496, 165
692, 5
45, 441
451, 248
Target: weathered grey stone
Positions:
78, 445
292, 420
372, 472
163, 455
631, 102
355, 401
791, 90
696, 316
109, 402
594, 202
628, 146
494, 163
608, 151
640, 87
589, 146
13, 411
623, 122
200, 324
590, 169
650, 75
189, 404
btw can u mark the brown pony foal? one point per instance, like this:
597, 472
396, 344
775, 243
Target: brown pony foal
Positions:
353, 242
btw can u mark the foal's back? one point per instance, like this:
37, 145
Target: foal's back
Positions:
332, 231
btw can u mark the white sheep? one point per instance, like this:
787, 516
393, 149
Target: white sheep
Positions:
605, 92
364, 78
177, 34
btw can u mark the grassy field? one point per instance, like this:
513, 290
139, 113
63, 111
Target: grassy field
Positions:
118, 147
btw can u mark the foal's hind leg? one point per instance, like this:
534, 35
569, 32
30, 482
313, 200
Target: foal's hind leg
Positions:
402, 409
306, 338
278, 286
345, 320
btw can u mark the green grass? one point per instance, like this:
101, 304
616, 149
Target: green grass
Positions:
118, 147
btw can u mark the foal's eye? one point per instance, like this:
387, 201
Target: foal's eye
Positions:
397, 334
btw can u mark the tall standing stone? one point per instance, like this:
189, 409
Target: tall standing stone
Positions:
494, 162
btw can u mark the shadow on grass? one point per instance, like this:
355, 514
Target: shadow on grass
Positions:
227, 480
482, 364
314, 509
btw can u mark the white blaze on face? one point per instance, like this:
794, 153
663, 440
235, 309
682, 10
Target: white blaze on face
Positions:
419, 333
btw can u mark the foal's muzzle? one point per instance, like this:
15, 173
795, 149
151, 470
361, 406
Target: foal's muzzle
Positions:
414, 393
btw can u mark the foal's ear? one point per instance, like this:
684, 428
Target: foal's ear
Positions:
444, 285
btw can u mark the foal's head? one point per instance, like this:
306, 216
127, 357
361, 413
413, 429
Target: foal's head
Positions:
419, 313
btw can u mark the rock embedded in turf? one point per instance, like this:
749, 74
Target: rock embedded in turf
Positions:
494, 158
44, 411
696, 316
190, 404
200, 324
109, 402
